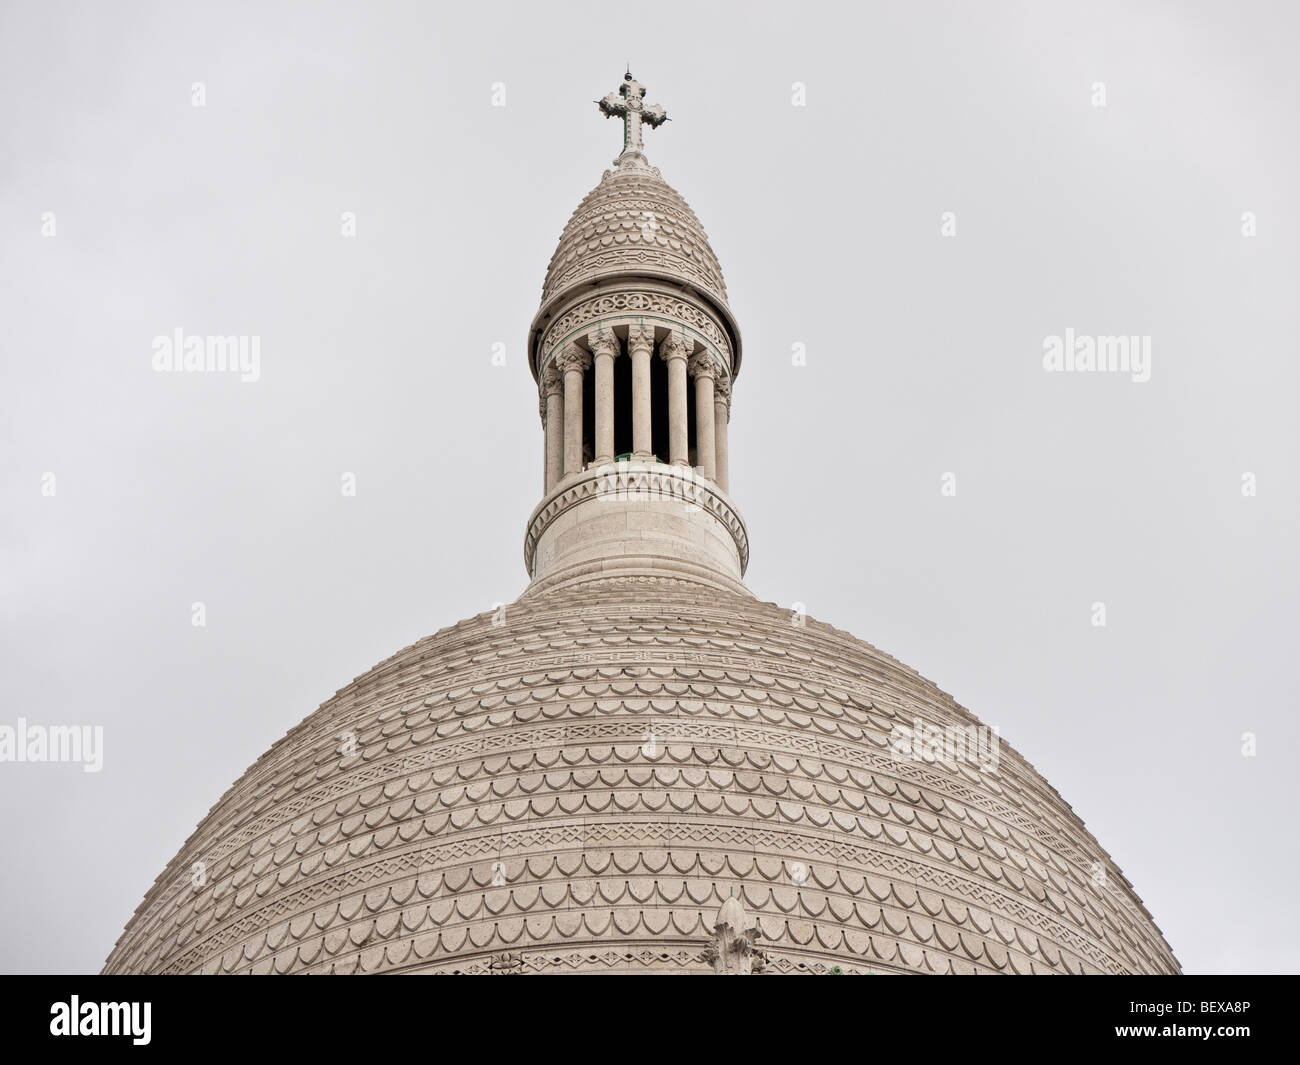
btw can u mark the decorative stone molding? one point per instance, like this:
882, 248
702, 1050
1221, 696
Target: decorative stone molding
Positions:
506, 963
633, 306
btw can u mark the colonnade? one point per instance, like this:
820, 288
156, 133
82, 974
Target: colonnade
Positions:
562, 387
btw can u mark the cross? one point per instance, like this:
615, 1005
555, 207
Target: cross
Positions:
628, 104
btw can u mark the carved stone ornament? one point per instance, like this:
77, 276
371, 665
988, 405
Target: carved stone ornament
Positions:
603, 343
552, 384
507, 963
639, 308
640, 338
628, 103
702, 365
733, 951
573, 358
673, 348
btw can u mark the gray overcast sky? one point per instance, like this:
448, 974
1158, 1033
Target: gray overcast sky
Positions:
924, 356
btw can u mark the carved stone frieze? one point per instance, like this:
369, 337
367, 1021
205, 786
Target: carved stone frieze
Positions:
633, 307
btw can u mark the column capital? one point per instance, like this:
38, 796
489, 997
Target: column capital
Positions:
602, 343
573, 358
640, 338
552, 380
722, 390
702, 365
673, 348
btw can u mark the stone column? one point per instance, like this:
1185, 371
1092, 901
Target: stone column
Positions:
704, 370
640, 346
673, 352
604, 347
553, 397
573, 362
721, 415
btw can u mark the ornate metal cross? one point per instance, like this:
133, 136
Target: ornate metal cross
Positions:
628, 103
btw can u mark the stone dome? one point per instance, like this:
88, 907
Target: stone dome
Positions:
637, 766
582, 787
634, 222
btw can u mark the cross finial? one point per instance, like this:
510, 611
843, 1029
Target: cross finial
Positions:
628, 103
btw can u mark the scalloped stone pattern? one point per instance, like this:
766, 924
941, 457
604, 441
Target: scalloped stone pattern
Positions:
581, 787
611, 233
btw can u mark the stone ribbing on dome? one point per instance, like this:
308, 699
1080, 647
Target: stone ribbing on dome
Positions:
581, 788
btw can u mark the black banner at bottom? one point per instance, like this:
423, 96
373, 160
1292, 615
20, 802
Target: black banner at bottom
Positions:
89, 1015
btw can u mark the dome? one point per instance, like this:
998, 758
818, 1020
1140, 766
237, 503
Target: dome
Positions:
634, 225
634, 222
638, 766
584, 787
